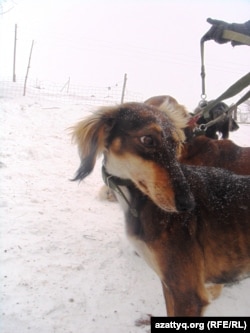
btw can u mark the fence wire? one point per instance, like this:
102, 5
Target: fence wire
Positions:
67, 93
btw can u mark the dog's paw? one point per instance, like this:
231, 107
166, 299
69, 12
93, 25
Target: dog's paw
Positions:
214, 290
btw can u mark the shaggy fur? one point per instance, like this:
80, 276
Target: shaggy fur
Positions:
177, 113
191, 224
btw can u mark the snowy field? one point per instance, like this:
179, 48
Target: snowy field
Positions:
66, 265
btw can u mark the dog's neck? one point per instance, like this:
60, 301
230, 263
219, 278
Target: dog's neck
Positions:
114, 184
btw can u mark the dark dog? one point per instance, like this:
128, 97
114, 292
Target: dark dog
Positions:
221, 127
191, 224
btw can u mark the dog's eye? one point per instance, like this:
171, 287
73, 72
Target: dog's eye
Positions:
147, 141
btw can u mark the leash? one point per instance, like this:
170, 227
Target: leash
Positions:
233, 90
203, 73
227, 113
114, 184
222, 32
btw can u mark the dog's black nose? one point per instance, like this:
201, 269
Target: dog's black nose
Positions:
184, 203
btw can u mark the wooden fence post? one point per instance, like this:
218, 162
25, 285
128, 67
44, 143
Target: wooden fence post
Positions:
14, 59
26, 77
66, 85
124, 87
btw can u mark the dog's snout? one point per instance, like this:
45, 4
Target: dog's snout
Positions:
184, 203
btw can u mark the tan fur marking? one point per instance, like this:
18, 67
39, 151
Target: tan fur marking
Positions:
116, 145
147, 175
177, 113
91, 128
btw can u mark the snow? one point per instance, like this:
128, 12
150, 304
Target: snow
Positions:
66, 264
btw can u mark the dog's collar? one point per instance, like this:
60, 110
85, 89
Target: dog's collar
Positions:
114, 183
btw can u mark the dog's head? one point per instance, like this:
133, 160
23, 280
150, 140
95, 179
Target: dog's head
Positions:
178, 114
223, 126
139, 143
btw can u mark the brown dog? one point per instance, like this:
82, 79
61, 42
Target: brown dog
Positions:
201, 150
218, 153
191, 224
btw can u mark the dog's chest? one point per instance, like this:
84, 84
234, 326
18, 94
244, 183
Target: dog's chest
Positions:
147, 253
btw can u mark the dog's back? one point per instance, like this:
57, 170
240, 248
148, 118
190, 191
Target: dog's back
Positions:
222, 211
202, 150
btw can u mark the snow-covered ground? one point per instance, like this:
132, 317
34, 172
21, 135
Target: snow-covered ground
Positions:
66, 265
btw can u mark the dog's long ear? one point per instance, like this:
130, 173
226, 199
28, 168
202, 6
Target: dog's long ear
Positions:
90, 136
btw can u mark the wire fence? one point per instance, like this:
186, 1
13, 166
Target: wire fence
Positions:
67, 93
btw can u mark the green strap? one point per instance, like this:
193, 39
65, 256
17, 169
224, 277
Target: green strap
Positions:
230, 92
236, 36
203, 127
243, 98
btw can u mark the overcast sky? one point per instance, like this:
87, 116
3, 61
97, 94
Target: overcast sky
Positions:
95, 42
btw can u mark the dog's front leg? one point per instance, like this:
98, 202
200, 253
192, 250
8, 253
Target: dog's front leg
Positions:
169, 300
184, 303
